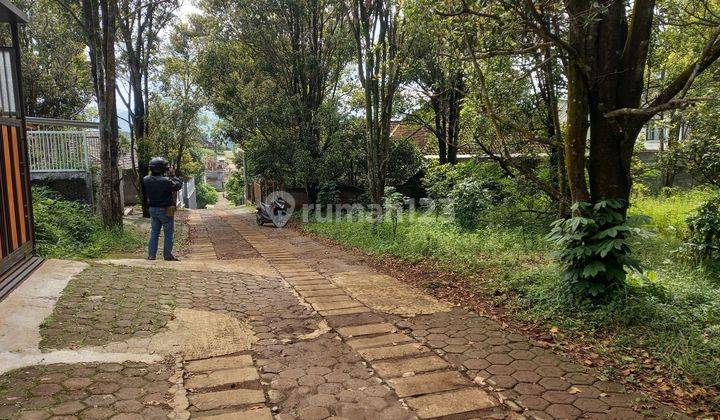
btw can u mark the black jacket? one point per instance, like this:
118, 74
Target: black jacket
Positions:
159, 190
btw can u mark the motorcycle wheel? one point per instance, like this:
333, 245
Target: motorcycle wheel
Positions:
280, 222
258, 220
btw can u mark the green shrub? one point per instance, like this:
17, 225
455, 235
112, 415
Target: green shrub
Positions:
392, 204
703, 241
206, 194
235, 188
594, 249
329, 193
440, 180
68, 229
470, 199
405, 159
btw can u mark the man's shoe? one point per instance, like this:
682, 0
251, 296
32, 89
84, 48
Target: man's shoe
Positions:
172, 258
151, 258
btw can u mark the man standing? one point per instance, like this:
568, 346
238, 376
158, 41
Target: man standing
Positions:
159, 190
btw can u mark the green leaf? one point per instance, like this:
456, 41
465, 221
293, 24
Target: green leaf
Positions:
592, 269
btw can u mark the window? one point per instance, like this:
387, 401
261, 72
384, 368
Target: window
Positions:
8, 106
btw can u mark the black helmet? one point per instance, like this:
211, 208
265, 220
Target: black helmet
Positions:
158, 165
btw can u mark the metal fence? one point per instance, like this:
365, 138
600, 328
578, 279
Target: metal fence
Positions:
58, 151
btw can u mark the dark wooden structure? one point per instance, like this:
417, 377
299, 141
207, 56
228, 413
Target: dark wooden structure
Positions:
17, 242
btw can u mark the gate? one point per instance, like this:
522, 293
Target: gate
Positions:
16, 223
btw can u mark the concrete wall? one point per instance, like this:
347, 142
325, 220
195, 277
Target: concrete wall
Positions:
75, 186
130, 193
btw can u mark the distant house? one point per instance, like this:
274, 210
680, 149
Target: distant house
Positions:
425, 139
216, 171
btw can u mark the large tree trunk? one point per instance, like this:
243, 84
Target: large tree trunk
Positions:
440, 123
455, 96
377, 41
605, 73
99, 19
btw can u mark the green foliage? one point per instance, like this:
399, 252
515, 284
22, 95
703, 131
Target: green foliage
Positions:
56, 71
405, 160
701, 153
440, 180
703, 240
235, 188
594, 249
393, 203
669, 214
672, 313
206, 194
469, 200
329, 193
68, 229
272, 70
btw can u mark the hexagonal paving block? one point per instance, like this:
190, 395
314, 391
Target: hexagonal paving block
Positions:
499, 359
559, 397
526, 376
563, 411
592, 405
555, 384
524, 388
533, 402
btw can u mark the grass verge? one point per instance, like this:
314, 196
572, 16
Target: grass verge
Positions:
661, 335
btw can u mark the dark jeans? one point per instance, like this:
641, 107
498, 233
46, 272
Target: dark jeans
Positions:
160, 219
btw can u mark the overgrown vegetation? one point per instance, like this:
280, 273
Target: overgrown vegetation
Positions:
658, 327
69, 230
206, 195
235, 188
594, 249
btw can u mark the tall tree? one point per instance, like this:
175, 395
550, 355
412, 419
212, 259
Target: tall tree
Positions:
605, 91
56, 72
181, 97
604, 47
272, 70
379, 40
98, 21
140, 23
437, 68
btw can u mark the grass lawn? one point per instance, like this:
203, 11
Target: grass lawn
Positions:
69, 230
101, 243
662, 333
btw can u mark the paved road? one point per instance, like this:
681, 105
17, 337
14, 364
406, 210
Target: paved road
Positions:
258, 323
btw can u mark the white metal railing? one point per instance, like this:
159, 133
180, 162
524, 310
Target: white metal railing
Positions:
58, 151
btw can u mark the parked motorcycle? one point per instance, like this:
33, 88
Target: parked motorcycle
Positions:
277, 213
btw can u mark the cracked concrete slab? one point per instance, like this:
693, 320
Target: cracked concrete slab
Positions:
191, 334
387, 294
22, 312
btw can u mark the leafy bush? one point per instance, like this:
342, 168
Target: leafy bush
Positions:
440, 180
404, 161
68, 229
594, 249
392, 204
329, 193
470, 198
206, 194
703, 241
235, 188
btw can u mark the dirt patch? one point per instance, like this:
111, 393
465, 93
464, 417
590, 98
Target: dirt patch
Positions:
199, 334
387, 294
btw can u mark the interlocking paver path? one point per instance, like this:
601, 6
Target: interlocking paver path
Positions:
260, 323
